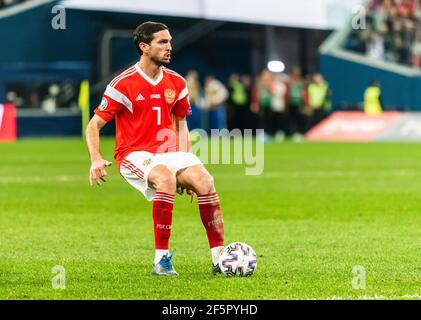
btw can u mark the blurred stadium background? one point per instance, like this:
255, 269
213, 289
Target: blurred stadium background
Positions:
43, 66
303, 70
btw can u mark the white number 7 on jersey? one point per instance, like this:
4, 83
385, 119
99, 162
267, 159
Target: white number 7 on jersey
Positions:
159, 114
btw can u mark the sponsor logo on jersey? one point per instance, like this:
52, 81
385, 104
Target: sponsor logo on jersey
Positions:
155, 96
104, 104
139, 97
169, 95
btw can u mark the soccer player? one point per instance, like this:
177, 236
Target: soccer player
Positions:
150, 103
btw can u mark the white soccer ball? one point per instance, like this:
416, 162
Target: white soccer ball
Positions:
238, 259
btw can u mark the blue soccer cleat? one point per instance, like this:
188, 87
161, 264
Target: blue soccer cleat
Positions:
164, 267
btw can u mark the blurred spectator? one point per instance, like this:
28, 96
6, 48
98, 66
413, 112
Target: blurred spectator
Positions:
416, 50
391, 31
375, 46
43, 95
250, 118
12, 97
264, 92
194, 88
215, 97
296, 96
6, 3
318, 99
49, 104
237, 101
372, 99
279, 119
417, 11
9, 3
193, 85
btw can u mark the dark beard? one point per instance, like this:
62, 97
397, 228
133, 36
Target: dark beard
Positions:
158, 62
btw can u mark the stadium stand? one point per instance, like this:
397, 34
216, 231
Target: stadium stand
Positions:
392, 33
46, 82
9, 3
384, 48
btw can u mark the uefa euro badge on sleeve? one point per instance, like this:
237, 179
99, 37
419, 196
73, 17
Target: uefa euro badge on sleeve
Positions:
104, 104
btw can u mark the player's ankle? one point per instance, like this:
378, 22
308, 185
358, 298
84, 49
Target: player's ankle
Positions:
159, 253
215, 253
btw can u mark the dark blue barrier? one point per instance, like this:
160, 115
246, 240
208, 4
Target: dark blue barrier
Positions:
47, 72
58, 125
348, 81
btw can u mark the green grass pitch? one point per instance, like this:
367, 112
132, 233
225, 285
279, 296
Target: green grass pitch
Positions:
318, 210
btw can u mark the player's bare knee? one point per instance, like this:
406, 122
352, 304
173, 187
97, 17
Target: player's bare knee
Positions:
168, 183
205, 184
165, 183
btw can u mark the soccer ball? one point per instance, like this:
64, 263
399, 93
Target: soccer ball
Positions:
238, 259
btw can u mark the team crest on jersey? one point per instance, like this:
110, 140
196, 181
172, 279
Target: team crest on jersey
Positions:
103, 105
147, 162
169, 95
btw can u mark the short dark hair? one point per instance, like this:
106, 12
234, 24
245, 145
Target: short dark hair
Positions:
145, 31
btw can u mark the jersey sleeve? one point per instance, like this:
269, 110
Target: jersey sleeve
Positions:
182, 105
113, 100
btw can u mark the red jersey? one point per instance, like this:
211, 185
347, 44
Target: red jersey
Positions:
142, 107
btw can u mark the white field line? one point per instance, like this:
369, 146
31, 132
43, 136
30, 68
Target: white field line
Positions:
265, 175
329, 174
40, 179
377, 297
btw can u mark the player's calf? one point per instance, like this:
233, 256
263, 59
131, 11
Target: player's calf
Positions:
165, 184
211, 215
198, 179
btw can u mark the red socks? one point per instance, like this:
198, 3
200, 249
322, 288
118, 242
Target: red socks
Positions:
163, 204
210, 212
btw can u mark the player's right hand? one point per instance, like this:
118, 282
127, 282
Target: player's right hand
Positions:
180, 190
97, 172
